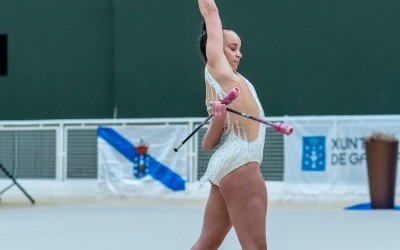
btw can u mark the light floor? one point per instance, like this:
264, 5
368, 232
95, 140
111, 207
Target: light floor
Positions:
175, 225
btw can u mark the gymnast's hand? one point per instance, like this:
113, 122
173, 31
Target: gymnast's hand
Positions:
219, 112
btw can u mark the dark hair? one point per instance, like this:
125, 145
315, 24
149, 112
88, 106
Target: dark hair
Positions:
203, 40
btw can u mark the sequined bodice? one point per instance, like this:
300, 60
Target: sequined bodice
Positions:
244, 138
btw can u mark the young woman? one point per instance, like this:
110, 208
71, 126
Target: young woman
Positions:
238, 195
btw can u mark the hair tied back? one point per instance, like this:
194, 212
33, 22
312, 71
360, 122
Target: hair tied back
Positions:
204, 28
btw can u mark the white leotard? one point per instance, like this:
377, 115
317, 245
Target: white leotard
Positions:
244, 139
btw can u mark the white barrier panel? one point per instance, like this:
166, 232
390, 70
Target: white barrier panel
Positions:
326, 156
344, 170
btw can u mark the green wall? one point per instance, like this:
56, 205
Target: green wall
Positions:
60, 59
129, 58
159, 71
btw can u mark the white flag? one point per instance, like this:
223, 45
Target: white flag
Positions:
140, 160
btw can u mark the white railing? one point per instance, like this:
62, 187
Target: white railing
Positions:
61, 128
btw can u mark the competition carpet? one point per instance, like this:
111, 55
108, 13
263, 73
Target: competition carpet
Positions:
175, 225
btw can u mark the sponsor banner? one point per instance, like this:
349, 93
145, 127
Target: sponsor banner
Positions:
328, 156
140, 160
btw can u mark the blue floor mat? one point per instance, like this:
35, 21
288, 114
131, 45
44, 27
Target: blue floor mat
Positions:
367, 206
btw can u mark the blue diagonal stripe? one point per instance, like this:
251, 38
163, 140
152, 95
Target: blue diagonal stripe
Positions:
122, 145
156, 169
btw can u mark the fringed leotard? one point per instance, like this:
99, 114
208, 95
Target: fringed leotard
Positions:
243, 138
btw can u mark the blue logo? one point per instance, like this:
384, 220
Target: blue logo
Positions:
141, 166
313, 158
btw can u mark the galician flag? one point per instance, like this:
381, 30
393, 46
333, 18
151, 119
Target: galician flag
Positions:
140, 160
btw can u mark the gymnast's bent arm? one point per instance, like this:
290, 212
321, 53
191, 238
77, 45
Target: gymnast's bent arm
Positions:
215, 130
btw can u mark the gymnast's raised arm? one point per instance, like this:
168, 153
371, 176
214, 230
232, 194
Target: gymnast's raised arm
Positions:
215, 40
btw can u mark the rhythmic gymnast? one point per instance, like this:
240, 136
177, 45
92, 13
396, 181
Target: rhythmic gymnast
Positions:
238, 195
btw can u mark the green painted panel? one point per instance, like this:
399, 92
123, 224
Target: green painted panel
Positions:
60, 59
304, 58
82, 59
159, 72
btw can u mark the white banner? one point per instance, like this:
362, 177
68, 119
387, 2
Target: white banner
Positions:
140, 160
328, 156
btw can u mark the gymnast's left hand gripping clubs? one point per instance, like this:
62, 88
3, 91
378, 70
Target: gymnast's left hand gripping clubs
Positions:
230, 97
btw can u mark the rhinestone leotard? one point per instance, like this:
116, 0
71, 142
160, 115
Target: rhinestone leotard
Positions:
243, 139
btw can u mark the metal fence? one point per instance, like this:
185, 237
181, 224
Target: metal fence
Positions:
67, 149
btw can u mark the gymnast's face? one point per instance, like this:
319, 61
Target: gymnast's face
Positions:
232, 44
